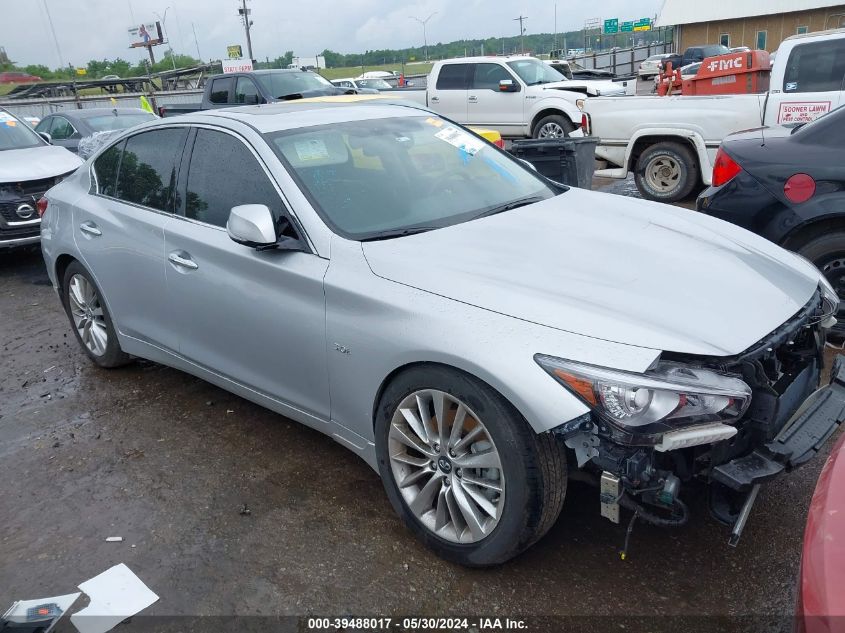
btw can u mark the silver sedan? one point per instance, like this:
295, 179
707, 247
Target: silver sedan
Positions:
474, 331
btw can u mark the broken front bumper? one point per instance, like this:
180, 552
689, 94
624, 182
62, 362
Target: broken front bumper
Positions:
798, 441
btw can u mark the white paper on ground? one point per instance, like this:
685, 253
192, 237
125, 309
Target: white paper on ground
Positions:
115, 595
17, 612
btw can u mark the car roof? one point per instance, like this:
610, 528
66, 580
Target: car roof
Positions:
274, 117
487, 58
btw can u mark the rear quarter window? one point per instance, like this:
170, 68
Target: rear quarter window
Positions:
453, 77
105, 169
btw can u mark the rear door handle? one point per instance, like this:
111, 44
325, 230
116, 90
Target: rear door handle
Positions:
182, 259
90, 228
473, 99
435, 99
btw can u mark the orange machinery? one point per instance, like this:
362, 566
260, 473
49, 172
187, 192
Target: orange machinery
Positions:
736, 73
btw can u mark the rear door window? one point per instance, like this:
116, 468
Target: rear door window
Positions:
220, 89
61, 129
453, 77
816, 67
246, 92
147, 174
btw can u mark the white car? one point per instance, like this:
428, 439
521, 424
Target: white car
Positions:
364, 86
650, 67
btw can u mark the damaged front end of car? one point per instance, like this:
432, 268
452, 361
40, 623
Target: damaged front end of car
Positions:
727, 424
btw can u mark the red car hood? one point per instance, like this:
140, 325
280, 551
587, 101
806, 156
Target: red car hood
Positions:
822, 597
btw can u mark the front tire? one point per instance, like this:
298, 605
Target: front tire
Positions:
90, 319
666, 172
553, 126
827, 252
463, 469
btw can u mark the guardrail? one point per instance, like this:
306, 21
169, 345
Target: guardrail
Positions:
44, 106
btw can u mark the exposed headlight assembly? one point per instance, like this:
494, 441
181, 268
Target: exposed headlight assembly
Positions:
662, 399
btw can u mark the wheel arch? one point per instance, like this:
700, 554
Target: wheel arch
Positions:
62, 262
641, 143
550, 111
807, 231
398, 371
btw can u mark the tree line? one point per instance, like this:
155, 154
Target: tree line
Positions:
537, 43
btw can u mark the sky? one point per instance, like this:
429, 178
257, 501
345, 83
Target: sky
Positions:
97, 29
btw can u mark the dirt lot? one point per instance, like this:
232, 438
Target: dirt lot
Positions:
169, 462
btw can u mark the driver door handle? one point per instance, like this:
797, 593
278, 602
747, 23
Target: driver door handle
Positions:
473, 99
435, 99
182, 259
90, 228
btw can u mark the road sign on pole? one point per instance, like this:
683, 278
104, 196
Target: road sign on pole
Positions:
611, 25
643, 25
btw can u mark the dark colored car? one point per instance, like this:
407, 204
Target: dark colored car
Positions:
68, 127
821, 594
788, 185
257, 87
695, 54
18, 78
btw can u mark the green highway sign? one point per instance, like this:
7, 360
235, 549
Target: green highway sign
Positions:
627, 27
643, 25
611, 26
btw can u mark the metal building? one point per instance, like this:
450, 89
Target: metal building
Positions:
762, 24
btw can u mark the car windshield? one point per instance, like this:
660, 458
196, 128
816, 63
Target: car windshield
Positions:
288, 83
384, 177
377, 84
15, 134
534, 72
109, 122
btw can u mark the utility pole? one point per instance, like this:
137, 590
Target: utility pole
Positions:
555, 46
521, 32
244, 12
425, 37
163, 20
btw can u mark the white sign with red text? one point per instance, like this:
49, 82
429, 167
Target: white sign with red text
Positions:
802, 111
237, 66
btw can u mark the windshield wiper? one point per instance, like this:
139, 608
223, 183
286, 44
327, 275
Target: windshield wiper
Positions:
522, 202
391, 233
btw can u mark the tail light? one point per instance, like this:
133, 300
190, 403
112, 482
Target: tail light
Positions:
725, 168
161, 111
799, 188
41, 206
585, 123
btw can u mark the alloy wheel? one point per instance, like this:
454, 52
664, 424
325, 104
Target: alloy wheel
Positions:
446, 466
88, 316
663, 173
551, 130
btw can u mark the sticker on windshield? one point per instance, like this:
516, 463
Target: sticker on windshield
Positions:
310, 150
463, 141
435, 122
8, 119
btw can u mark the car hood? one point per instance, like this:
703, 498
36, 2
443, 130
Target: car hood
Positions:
613, 268
592, 87
35, 163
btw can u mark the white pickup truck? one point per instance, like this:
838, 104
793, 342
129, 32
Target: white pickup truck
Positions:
669, 143
517, 96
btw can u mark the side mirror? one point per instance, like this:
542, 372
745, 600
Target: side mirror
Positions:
508, 85
253, 225
46, 137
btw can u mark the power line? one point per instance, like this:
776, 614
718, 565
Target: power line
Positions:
53, 31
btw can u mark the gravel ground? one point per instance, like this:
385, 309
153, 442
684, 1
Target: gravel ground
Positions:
228, 509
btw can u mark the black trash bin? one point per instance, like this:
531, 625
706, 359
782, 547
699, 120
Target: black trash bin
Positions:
569, 161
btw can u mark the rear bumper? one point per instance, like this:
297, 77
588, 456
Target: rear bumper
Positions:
800, 439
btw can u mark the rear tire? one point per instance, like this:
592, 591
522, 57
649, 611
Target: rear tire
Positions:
531, 477
90, 319
666, 172
553, 126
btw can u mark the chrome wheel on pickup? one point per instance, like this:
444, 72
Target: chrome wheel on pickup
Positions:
553, 126
463, 469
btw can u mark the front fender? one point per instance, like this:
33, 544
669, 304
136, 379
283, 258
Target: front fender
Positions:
565, 105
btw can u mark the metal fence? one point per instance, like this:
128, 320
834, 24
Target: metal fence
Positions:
622, 62
42, 107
